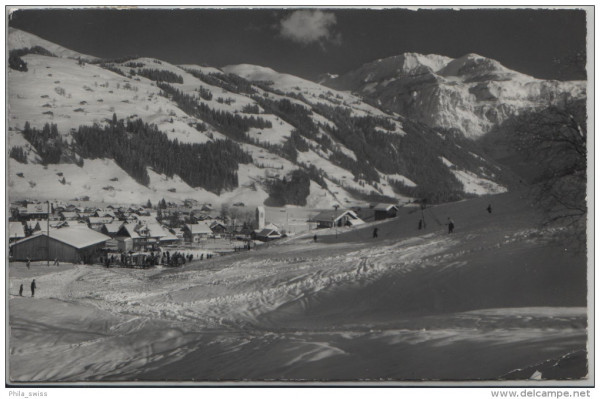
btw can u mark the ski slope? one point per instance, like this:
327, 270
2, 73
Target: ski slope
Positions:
497, 295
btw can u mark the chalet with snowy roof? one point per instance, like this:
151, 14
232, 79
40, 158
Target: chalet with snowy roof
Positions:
71, 244
104, 213
218, 227
15, 231
331, 218
168, 238
129, 239
111, 229
67, 215
269, 233
385, 211
196, 232
37, 211
96, 223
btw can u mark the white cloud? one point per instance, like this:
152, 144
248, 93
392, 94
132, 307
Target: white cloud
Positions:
310, 26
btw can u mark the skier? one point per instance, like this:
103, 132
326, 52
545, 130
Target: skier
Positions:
21, 290
489, 208
315, 238
28, 263
56, 262
375, 230
420, 224
33, 288
450, 225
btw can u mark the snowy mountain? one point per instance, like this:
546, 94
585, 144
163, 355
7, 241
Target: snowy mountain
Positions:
129, 130
18, 39
471, 93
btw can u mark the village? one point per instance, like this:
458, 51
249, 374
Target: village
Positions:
166, 234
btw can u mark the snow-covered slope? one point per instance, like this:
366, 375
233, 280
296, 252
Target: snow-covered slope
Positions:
18, 39
471, 93
331, 125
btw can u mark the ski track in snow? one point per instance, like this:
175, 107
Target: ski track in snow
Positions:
148, 319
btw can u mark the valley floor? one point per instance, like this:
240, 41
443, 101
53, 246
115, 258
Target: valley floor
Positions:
499, 298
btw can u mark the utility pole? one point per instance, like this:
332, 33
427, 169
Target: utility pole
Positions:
336, 206
48, 237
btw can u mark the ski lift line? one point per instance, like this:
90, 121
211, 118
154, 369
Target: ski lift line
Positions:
434, 217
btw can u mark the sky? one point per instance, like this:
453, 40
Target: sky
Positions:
547, 44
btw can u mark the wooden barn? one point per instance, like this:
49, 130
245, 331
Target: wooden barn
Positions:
70, 244
385, 211
327, 219
268, 234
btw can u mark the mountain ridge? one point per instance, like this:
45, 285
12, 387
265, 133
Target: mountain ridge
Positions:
347, 150
471, 93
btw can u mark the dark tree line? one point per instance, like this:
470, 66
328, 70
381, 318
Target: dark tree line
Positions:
31, 50
111, 68
232, 125
18, 153
160, 75
47, 142
290, 191
17, 63
229, 82
294, 114
135, 145
415, 154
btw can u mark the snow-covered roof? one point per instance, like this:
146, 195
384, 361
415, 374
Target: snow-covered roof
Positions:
168, 235
269, 232
145, 219
70, 215
105, 213
384, 207
78, 237
34, 209
198, 228
328, 216
113, 227
129, 229
156, 230
15, 230
100, 220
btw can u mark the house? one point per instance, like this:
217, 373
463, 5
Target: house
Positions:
66, 215
104, 213
70, 244
269, 234
177, 232
327, 219
196, 232
385, 211
96, 223
218, 227
129, 239
168, 237
37, 211
15, 231
111, 229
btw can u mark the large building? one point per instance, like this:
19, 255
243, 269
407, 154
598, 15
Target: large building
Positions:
70, 244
